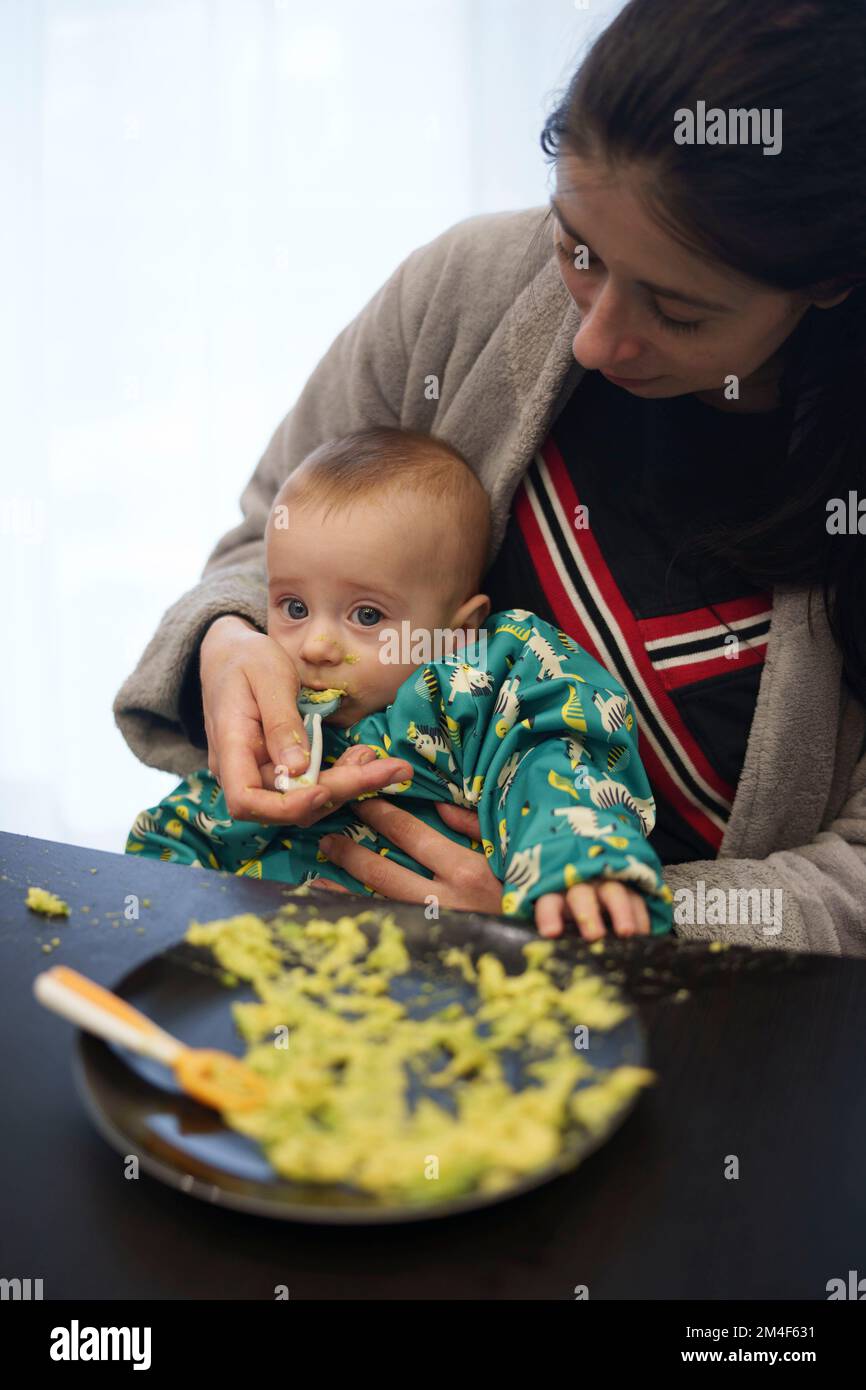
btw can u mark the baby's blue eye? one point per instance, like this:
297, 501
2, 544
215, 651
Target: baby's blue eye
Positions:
291, 607
368, 616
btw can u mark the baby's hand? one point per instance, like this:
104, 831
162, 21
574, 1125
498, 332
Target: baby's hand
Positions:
583, 903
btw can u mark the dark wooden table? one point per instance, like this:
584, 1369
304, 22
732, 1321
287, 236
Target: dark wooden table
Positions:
759, 1055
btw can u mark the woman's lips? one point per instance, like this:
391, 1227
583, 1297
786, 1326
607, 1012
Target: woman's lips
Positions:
630, 380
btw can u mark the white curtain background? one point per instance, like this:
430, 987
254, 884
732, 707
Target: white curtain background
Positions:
197, 196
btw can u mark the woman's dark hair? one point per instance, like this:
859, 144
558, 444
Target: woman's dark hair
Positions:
794, 221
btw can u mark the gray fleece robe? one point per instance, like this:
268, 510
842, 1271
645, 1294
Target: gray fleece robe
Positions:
483, 310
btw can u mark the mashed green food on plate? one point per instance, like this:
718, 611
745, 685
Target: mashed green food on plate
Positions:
405, 1094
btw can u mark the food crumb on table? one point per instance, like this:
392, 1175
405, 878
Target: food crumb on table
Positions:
47, 904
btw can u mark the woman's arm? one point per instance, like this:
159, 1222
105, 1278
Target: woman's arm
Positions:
812, 898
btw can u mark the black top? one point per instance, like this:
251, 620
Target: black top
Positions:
684, 636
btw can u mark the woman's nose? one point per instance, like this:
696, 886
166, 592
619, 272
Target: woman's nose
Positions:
603, 339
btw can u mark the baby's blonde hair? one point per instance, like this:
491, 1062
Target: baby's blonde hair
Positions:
388, 463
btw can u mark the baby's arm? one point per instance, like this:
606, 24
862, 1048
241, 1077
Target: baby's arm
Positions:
566, 804
187, 827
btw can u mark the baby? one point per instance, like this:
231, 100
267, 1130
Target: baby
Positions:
372, 531
376, 547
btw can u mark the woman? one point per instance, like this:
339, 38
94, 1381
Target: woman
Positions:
661, 392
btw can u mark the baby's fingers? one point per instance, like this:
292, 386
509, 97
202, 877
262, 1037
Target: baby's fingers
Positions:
641, 913
357, 755
583, 905
618, 901
327, 883
549, 914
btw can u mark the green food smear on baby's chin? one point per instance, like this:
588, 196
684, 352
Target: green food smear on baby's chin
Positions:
336, 1048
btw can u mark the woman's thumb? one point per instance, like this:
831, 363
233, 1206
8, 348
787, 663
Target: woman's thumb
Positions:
274, 688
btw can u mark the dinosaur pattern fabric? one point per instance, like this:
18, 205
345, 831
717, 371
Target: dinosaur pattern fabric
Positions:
523, 726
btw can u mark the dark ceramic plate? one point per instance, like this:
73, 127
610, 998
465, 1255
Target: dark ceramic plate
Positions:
137, 1106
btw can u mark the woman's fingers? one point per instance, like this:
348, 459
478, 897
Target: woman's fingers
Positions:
268, 774
549, 914
274, 688
430, 848
357, 755
247, 679
239, 770
459, 819
584, 908
302, 806
299, 807
376, 871
462, 877
345, 781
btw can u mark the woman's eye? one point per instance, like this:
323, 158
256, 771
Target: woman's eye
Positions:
568, 253
676, 325
294, 608
368, 616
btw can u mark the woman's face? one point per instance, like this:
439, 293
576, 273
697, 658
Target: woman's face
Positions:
655, 318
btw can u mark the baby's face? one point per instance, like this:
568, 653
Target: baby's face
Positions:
336, 584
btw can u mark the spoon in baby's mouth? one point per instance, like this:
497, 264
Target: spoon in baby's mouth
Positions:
314, 705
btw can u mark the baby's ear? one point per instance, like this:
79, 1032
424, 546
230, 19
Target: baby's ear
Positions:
473, 612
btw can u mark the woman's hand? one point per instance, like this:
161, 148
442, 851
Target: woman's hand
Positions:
462, 878
252, 722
